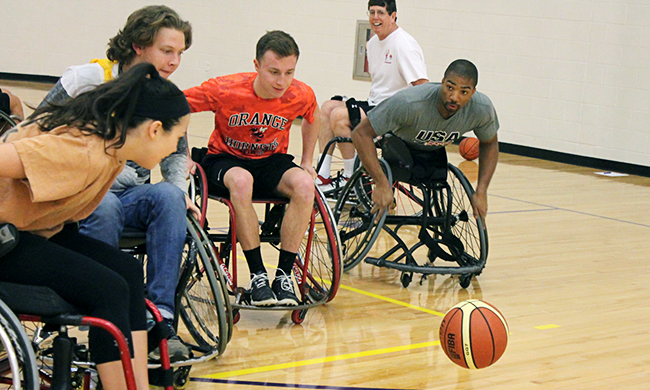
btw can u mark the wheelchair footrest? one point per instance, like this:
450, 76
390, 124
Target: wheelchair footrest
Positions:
424, 269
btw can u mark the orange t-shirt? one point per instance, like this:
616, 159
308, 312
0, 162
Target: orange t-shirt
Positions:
246, 125
68, 174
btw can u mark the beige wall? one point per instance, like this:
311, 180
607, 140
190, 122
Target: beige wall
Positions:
568, 76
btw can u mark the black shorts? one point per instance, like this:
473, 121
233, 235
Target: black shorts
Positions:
267, 172
354, 107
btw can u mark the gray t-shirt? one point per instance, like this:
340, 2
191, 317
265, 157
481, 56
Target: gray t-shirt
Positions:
413, 116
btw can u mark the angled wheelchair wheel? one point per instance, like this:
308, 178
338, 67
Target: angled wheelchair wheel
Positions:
203, 307
6, 123
471, 232
356, 224
18, 369
321, 248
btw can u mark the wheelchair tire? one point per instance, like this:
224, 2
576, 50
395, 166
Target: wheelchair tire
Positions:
324, 268
203, 306
18, 367
356, 225
470, 231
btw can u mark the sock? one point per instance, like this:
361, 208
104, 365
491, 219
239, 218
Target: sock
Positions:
325, 169
348, 167
254, 260
285, 263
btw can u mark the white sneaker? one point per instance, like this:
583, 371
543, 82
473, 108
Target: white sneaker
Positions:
323, 183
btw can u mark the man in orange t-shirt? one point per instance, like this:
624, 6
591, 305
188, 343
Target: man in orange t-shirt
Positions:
247, 154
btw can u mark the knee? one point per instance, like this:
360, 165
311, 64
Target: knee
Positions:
168, 197
328, 106
303, 188
340, 122
113, 291
239, 183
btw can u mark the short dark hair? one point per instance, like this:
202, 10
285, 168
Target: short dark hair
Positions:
390, 5
278, 42
141, 28
463, 68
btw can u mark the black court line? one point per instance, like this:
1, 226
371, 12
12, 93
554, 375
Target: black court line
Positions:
521, 211
568, 210
285, 385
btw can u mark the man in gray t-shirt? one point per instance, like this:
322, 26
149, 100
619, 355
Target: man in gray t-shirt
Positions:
428, 117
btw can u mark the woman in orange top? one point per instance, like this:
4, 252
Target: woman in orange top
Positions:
54, 169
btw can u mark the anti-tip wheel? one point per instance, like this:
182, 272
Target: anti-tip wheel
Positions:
181, 377
465, 280
406, 278
298, 316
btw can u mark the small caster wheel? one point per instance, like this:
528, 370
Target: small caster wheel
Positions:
181, 377
406, 278
298, 316
236, 316
465, 280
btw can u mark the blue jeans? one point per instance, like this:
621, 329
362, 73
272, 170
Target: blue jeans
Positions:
159, 210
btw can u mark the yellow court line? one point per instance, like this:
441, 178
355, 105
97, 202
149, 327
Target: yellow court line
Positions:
549, 326
383, 298
256, 370
356, 290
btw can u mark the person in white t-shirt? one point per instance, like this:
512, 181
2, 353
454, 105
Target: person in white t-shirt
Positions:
395, 62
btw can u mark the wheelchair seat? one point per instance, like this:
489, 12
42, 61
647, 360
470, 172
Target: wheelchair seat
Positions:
34, 300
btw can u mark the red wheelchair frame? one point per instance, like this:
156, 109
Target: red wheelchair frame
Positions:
60, 315
317, 283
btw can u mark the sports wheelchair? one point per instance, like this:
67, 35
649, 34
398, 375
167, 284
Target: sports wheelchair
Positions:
433, 196
37, 352
317, 268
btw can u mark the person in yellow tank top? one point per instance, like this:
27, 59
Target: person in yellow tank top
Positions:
157, 35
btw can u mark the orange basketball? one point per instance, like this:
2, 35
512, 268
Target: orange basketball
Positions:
473, 334
468, 148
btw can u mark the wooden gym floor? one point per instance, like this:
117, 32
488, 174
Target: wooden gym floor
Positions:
568, 267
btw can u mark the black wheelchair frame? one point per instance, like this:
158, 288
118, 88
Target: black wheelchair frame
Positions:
442, 211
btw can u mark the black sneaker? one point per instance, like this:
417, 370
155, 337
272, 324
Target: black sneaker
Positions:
261, 293
283, 289
177, 350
